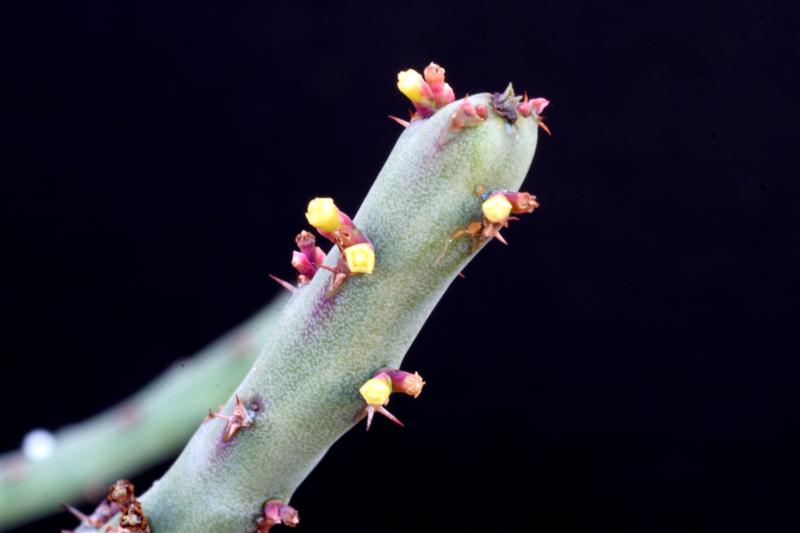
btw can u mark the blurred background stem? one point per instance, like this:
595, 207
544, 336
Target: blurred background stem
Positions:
82, 459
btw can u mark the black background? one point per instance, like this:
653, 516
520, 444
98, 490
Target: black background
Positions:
158, 160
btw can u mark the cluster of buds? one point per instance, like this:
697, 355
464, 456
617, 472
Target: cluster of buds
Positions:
497, 208
377, 390
276, 512
306, 261
239, 418
466, 116
510, 106
534, 108
121, 499
309, 259
357, 255
428, 92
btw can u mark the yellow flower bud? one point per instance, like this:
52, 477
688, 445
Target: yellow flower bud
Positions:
496, 208
410, 84
323, 214
360, 258
376, 391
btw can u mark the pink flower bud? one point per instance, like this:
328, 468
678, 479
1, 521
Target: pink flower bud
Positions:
403, 381
440, 92
535, 106
539, 104
307, 244
466, 116
276, 512
521, 202
434, 75
303, 265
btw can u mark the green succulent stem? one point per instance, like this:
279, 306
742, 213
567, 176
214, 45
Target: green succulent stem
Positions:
146, 428
307, 378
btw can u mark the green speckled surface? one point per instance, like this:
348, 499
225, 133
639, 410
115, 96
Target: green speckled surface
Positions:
323, 349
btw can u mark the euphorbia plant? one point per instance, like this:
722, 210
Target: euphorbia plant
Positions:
448, 188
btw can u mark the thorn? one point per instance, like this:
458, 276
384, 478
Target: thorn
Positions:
238, 419
337, 281
382, 410
84, 519
461, 275
500, 237
400, 121
370, 414
542, 125
285, 284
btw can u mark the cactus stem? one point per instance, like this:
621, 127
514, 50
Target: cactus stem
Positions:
323, 348
111, 445
128, 415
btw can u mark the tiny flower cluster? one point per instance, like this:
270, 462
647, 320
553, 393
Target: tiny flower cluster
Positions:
509, 106
309, 259
376, 391
497, 208
428, 92
276, 512
357, 255
466, 116
121, 499
534, 108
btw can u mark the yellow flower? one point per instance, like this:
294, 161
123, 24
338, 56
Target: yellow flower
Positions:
323, 214
360, 258
410, 84
496, 208
376, 391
